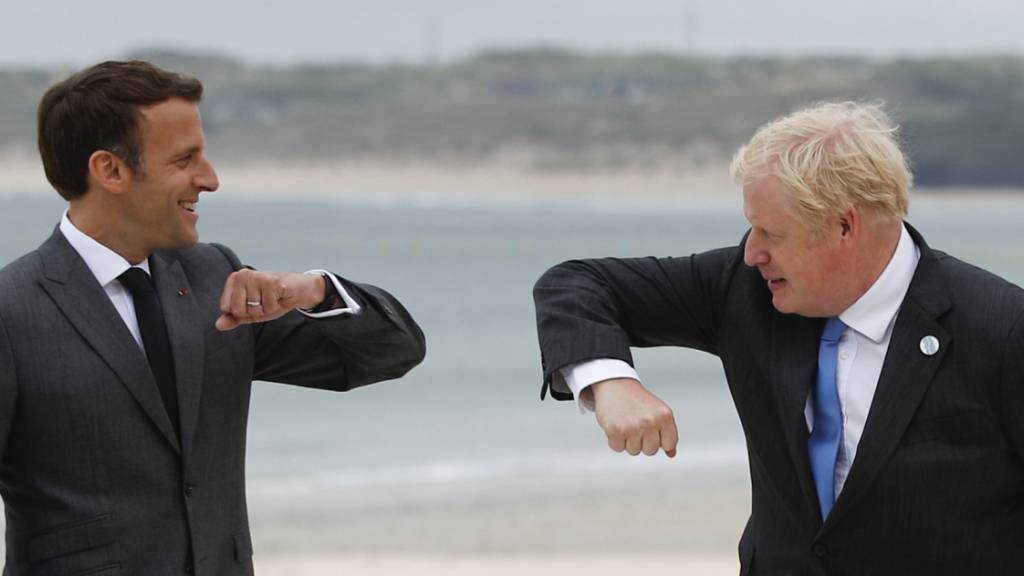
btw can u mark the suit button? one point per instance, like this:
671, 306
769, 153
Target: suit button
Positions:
820, 550
188, 567
189, 489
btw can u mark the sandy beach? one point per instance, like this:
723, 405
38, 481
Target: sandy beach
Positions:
591, 565
420, 182
386, 182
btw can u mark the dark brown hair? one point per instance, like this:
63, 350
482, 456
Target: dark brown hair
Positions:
98, 109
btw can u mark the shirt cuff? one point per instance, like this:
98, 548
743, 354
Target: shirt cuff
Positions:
578, 377
351, 306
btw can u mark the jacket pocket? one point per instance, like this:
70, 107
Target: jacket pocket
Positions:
71, 538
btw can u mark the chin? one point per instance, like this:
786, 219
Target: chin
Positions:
781, 305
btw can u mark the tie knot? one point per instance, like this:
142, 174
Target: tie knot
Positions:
136, 281
834, 328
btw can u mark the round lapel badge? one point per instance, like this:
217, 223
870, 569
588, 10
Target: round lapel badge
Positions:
929, 345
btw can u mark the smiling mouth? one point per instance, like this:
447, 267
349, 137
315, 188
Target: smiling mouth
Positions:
776, 283
189, 206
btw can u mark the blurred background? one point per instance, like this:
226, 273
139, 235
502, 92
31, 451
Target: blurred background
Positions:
451, 151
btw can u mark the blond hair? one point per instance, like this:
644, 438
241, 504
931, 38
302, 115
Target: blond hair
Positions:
830, 157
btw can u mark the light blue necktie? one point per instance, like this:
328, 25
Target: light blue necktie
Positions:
823, 444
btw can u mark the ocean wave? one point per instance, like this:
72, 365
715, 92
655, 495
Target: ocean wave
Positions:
454, 471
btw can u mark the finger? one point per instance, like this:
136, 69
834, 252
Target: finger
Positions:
228, 292
270, 295
634, 444
651, 442
239, 295
669, 437
226, 322
616, 442
233, 299
254, 299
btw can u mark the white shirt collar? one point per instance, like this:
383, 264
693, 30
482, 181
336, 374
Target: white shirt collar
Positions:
874, 312
105, 264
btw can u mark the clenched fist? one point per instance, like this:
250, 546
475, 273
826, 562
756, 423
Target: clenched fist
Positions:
634, 419
254, 296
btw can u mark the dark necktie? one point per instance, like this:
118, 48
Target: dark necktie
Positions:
154, 337
823, 445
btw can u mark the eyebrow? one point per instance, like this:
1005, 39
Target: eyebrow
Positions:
187, 152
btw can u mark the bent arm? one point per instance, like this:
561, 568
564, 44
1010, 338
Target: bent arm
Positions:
591, 309
342, 352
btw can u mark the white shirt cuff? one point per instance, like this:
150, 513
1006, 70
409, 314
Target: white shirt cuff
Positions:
578, 377
351, 306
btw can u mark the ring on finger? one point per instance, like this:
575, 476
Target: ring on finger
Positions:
253, 303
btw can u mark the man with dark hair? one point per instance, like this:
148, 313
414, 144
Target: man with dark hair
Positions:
128, 350
98, 109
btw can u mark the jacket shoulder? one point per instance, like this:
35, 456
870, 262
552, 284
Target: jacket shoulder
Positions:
969, 281
20, 274
981, 298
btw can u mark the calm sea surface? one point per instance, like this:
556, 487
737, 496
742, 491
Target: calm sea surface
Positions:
471, 411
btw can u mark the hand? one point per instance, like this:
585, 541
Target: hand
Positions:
253, 296
634, 419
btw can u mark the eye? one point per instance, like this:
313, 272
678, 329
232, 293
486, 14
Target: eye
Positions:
184, 161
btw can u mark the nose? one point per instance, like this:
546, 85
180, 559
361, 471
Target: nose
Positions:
206, 178
754, 253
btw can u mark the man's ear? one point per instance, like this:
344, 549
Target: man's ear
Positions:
109, 171
850, 223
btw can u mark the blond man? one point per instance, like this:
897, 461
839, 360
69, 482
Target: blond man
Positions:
880, 383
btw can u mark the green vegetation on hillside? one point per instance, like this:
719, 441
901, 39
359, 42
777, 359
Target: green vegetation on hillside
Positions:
962, 119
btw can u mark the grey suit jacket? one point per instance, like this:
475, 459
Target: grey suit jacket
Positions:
937, 485
93, 477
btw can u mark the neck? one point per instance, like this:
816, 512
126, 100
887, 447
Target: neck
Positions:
876, 255
100, 221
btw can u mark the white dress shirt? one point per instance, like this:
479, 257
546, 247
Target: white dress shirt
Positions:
106, 265
862, 349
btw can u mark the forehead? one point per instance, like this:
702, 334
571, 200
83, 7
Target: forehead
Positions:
765, 199
172, 123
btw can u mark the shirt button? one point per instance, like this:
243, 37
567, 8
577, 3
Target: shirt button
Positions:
820, 550
189, 489
845, 355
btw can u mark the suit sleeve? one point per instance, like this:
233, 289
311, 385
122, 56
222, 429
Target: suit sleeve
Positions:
342, 352
589, 309
1013, 386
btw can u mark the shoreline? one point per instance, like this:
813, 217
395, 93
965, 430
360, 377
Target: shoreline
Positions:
500, 565
347, 180
497, 184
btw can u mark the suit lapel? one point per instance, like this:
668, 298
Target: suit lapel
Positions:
85, 304
794, 365
906, 374
181, 313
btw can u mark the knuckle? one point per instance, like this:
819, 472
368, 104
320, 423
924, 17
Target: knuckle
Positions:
615, 431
